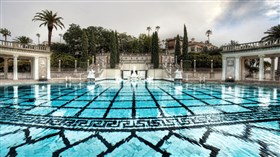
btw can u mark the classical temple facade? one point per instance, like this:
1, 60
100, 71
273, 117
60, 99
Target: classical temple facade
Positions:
39, 57
234, 58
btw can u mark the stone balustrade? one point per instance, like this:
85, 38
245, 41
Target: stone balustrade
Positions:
16, 45
252, 45
143, 58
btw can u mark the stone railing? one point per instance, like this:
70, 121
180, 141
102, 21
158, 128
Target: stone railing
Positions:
16, 45
140, 58
252, 45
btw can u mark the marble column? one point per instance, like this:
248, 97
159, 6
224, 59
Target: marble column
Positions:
6, 66
272, 70
261, 68
48, 68
75, 70
36, 68
224, 65
237, 68
194, 65
59, 65
212, 66
278, 69
15, 69
242, 68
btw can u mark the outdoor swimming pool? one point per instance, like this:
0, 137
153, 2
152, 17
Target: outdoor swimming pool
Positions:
159, 118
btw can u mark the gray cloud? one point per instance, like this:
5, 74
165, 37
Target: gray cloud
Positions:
229, 20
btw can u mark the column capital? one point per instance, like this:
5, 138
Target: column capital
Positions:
261, 56
15, 56
237, 57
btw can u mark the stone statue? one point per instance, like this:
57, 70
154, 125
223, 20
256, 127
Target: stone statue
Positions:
134, 76
178, 75
91, 76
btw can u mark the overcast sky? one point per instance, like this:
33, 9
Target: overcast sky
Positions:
240, 20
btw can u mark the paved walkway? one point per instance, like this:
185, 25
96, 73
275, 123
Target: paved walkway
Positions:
76, 80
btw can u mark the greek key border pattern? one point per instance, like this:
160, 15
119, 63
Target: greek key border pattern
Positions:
11, 116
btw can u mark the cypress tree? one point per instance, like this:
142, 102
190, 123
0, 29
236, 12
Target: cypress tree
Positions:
92, 45
156, 50
113, 53
85, 45
177, 49
185, 47
185, 44
149, 44
152, 48
117, 48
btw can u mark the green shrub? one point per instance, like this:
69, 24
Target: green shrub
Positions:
67, 60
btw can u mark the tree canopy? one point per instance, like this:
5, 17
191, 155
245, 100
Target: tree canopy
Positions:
177, 49
272, 33
85, 45
23, 40
113, 54
49, 19
5, 32
155, 50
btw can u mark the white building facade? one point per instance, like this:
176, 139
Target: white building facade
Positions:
39, 57
234, 58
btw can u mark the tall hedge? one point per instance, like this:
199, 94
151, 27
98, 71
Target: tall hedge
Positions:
155, 50
113, 57
185, 47
177, 49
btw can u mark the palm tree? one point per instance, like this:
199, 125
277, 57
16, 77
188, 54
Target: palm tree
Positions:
23, 40
5, 32
157, 28
60, 36
208, 33
38, 35
149, 29
273, 33
49, 19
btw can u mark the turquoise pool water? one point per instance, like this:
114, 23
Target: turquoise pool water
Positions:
158, 118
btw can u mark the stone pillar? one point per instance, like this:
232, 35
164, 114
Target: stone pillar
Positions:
36, 68
59, 65
261, 68
224, 68
75, 70
278, 69
15, 69
212, 66
48, 68
194, 65
272, 70
242, 69
6, 66
181, 64
211, 70
88, 63
237, 68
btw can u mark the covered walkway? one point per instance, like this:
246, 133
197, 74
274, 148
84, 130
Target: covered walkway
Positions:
234, 59
39, 57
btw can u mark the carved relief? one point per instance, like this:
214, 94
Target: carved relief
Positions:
42, 67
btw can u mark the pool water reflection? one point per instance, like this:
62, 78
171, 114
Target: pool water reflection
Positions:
158, 118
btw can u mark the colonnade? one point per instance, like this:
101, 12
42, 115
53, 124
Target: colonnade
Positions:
35, 67
239, 67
